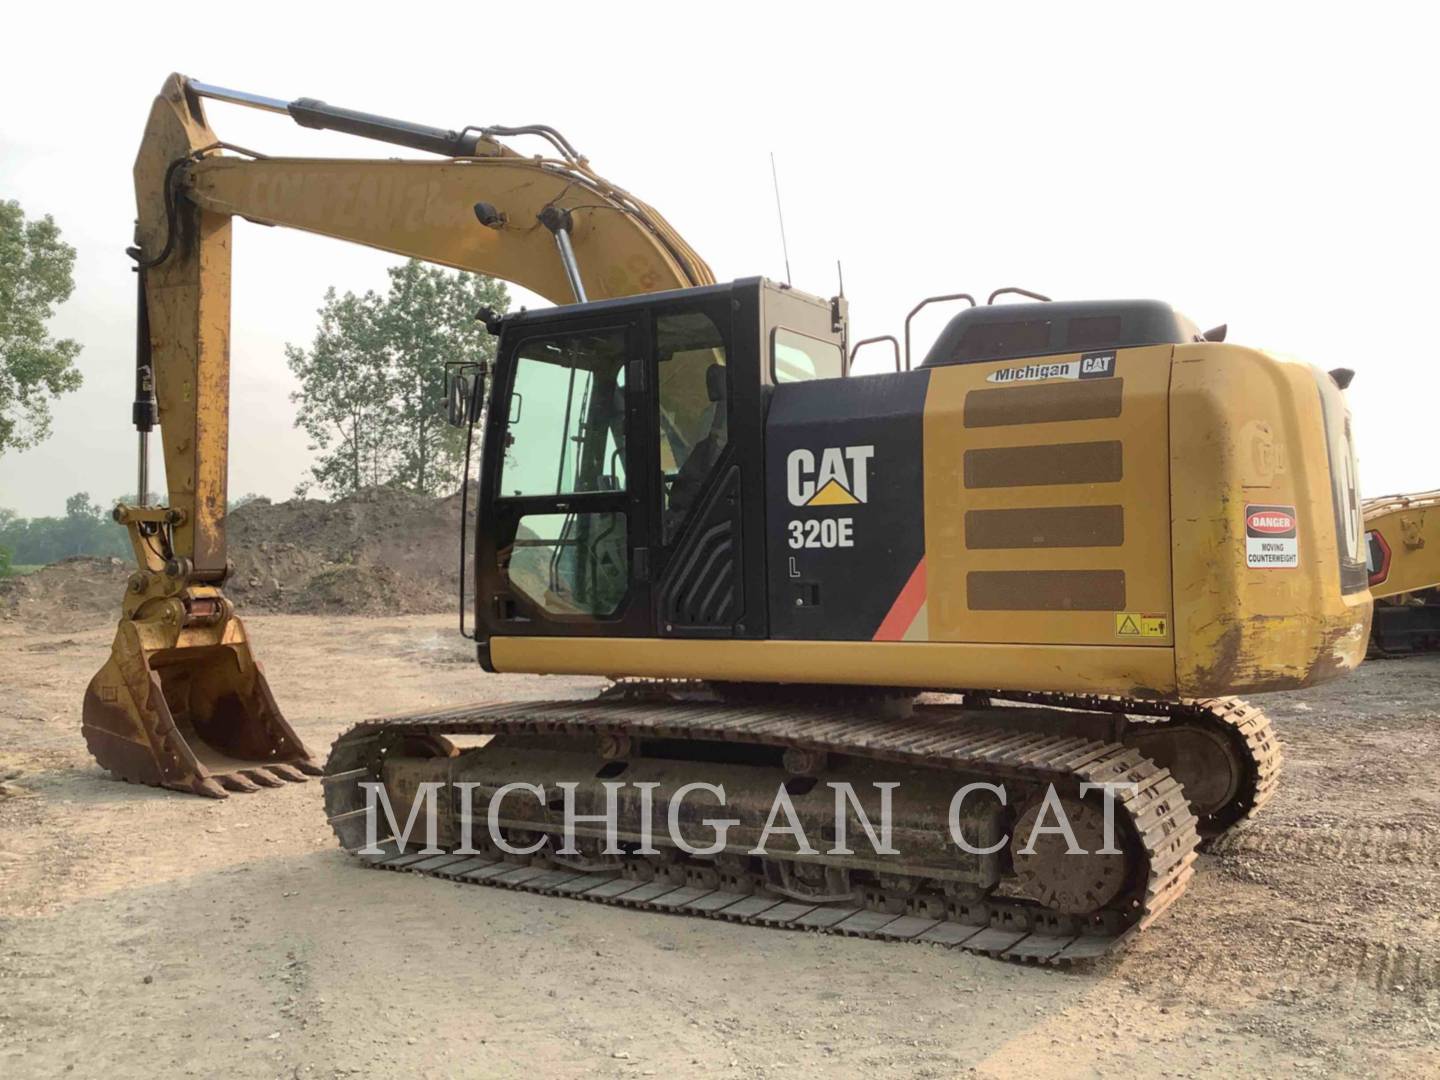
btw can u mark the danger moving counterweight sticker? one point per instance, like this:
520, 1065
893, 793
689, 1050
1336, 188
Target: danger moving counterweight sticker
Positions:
1271, 540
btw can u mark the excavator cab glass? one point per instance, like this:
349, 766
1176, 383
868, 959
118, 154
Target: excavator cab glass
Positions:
692, 410
565, 431
798, 357
566, 428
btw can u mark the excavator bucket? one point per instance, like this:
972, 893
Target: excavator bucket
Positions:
190, 711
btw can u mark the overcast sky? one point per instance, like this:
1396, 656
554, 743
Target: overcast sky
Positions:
1268, 166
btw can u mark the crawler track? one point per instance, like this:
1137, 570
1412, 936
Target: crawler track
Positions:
1247, 731
1153, 820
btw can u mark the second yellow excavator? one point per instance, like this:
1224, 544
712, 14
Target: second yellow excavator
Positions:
1402, 542
1028, 566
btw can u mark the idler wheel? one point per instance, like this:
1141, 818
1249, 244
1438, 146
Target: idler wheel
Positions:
1202, 759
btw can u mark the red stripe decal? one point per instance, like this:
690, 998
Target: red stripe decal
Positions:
907, 605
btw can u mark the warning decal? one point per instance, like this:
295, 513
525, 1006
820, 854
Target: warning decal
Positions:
1133, 624
1271, 538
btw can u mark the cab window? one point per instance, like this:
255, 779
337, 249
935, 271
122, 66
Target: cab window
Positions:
796, 357
693, 410
565, 432
573, 563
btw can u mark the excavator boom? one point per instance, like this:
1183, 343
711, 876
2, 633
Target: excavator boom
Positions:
182, 701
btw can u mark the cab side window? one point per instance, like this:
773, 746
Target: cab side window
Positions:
796, 357
693, 421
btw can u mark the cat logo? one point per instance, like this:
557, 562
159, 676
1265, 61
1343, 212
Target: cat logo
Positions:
842, 477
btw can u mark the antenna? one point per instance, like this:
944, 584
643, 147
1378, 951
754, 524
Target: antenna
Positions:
840, 273
780, 213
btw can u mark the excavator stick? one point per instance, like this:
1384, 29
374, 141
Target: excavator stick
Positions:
182, 703
190, 711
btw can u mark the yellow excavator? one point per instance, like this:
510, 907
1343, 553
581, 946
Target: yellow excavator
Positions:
1402, 544
1035, 563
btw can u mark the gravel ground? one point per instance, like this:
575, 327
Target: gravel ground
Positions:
145, 933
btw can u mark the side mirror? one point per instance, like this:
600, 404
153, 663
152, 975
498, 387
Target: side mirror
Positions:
457, 398
462, 397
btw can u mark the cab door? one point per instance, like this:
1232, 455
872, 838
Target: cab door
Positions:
563, 544
705, 408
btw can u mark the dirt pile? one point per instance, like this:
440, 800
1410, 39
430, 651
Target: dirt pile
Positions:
381, 552
66, 595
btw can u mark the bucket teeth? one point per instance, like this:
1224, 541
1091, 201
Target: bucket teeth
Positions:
203, 721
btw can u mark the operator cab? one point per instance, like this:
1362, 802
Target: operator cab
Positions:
622, 478
693, 463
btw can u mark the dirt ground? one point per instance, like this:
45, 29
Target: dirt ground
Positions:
145, 933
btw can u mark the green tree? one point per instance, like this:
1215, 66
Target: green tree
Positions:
86, 529
427, 319
371, 394
36, 274
343, 394
7, 540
